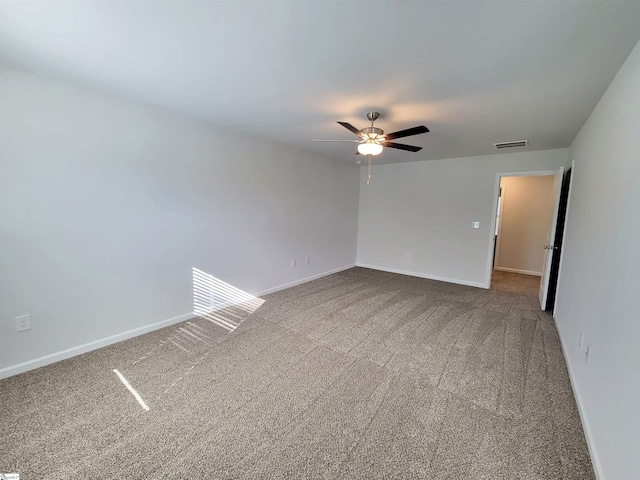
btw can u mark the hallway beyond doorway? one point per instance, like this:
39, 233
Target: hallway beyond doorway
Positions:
515, 282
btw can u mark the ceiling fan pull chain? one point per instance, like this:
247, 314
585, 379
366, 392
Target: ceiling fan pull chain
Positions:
369, 177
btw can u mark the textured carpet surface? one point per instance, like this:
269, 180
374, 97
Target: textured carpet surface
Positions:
515, 282
358, 375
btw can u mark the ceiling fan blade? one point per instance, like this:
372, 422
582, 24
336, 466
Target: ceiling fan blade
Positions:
407, 133
401, 146
350, 141
348, 126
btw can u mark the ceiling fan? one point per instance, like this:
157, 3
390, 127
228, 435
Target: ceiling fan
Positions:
372, 140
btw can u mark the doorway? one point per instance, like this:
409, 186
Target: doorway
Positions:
525, 208
530, 209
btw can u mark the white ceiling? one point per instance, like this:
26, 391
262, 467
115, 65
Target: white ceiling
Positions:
474, 72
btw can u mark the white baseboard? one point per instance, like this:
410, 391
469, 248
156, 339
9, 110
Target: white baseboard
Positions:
425, 275
304, 280
103, 342
517, 270
595, 459
87, 347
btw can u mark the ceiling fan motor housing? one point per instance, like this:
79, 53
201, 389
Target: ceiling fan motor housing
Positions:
372, 132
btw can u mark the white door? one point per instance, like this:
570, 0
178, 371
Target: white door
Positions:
551, 235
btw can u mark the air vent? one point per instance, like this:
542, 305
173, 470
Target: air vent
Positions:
519, 143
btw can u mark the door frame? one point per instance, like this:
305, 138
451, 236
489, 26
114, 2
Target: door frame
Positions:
545, 281
494, 212
564, 235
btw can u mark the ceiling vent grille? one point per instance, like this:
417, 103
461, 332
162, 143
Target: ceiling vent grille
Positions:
519, 143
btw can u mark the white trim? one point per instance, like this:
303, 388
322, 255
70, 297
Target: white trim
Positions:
304, 280
424, 275
103, 342
529, 173
492, 240
87, 347
591, 444
502, 195
517, 270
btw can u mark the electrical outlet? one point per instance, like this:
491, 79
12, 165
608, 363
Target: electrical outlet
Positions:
307, 260
293, 262
23, 322
407, 254
587, 352
475, 224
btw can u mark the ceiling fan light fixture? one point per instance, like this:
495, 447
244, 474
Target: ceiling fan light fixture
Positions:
372, 140
369, 147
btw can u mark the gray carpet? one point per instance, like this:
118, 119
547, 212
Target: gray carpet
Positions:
515, 282
358, 375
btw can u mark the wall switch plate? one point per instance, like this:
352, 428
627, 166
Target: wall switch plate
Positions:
407, 254
23, 322
475, 224
581, 342
307, 260
293, 262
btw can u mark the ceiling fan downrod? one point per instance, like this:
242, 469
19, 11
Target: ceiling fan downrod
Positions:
372, 117
372, 134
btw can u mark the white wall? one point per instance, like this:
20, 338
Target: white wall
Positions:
527, 208
598, 286
105, 207
426, 209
